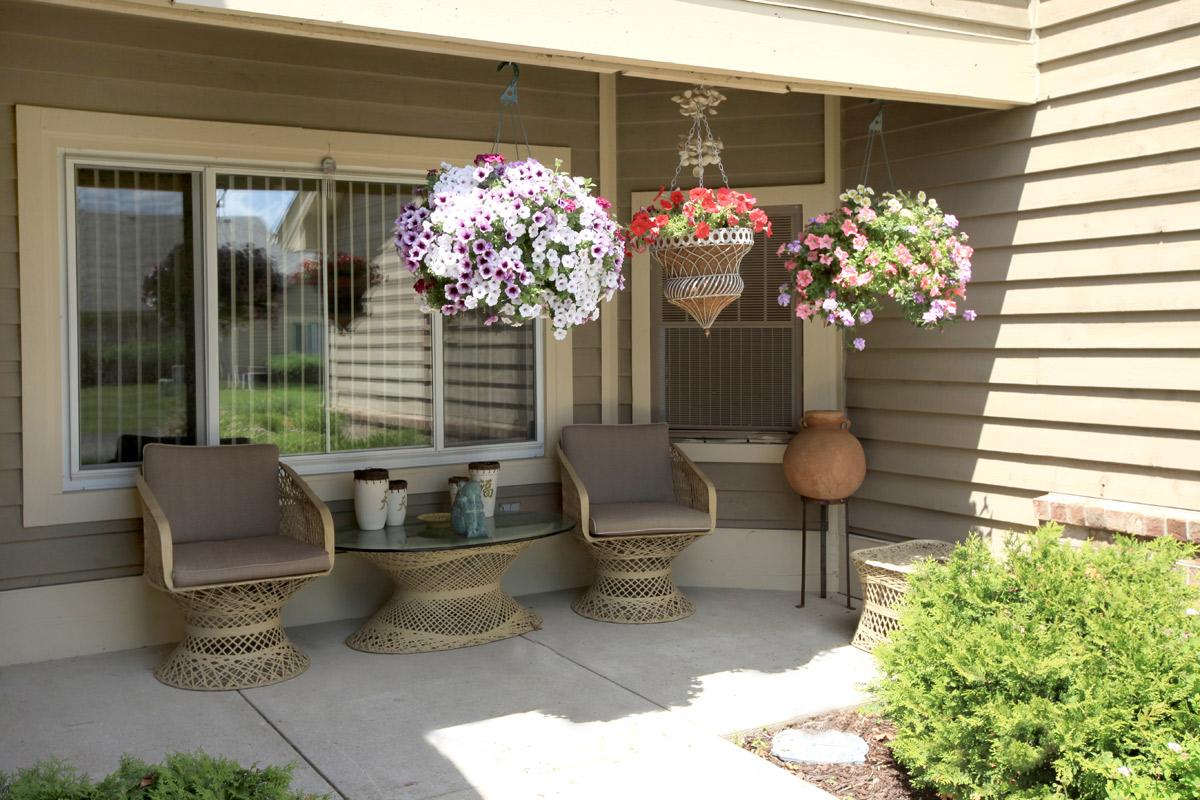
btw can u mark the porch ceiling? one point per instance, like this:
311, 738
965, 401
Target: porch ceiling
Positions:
862, 48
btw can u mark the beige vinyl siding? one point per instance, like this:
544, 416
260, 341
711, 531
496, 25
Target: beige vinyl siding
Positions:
94, 61
770, 140
1082, 373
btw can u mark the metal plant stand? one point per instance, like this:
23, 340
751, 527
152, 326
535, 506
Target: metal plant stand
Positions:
824, 508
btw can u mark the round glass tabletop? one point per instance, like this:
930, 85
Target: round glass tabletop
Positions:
417, 535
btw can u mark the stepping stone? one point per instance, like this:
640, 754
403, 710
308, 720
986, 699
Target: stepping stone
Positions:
819, 747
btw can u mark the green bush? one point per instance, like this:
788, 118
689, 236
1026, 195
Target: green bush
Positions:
1059, 672
181, 776
297, 369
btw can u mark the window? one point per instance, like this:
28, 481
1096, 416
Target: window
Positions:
744, 377
214, 305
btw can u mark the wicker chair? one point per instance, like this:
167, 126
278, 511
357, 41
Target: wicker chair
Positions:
639, 502
231, 534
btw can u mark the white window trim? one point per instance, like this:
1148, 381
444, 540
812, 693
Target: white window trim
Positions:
47, 136
824, 355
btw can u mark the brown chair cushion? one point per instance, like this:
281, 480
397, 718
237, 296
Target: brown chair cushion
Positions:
625, 519
209, 493
621, 463
249, 559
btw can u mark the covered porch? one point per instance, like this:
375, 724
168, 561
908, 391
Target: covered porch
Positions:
579, 709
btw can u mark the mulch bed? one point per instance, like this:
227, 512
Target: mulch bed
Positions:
880, 778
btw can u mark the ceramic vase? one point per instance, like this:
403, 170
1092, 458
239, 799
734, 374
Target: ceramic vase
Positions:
824, 461
370, 498
487, 475
455, 484
397, 502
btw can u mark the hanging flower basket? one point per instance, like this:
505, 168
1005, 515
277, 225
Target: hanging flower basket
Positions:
699, 240
904, 248
514, 242
701, 276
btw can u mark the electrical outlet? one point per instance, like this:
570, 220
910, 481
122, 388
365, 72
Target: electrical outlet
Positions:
509, 508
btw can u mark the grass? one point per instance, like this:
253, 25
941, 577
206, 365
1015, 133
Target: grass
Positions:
292, 418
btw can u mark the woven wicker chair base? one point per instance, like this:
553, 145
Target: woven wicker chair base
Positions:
443, 600
633, 582
234, 638
884, 585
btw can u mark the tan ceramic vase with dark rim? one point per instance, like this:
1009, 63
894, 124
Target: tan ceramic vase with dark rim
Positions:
824, 461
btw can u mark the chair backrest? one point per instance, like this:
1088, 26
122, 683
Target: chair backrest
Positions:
209, 493
621, 463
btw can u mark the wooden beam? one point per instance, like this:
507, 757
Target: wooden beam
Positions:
610, 314
725, 42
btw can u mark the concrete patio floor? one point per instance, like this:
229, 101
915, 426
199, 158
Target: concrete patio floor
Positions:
579, 709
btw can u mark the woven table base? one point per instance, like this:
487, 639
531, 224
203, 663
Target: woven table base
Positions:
883, 572
445, 599
633, 582
234, 638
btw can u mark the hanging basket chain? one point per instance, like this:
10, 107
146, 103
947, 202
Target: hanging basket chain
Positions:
509, 105
875, 132
700, 144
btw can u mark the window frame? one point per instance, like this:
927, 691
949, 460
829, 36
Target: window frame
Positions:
714, 433
47, 137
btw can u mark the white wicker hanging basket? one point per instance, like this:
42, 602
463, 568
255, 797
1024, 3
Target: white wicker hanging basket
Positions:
701, 276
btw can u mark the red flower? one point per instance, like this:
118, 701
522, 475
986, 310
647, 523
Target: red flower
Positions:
732, 221
667, 205
677, 198
702, 230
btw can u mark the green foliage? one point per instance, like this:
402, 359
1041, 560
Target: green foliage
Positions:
297, 369
1059, 672
181, 776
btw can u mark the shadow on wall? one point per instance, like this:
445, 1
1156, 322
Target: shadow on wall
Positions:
1067, 382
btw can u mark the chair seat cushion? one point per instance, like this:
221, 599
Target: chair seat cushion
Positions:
626, 519
248, 559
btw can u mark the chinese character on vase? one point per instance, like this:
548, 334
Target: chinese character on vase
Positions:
904, 248
699, 236
513, 242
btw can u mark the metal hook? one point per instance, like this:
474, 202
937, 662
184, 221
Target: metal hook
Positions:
509, 96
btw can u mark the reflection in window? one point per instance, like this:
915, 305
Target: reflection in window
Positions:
380, 353
490, 383
135, 286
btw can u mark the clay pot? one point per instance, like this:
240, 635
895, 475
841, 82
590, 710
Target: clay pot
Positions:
824, 461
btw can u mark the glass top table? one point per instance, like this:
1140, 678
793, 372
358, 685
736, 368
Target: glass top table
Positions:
414, 536
447, 590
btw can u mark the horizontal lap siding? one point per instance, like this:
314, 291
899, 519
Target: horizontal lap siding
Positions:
1082, 373
770, 140
102, 62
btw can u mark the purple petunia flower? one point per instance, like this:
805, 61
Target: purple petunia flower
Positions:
860, 344
969, 315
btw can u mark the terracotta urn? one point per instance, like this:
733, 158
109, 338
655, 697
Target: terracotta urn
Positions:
824, 461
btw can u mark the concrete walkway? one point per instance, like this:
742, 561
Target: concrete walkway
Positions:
579, 709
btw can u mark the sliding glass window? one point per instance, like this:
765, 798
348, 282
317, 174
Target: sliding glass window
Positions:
219, 306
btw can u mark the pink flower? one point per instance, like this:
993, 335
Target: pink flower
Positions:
825, 242
848, 275
782, 247
821, 219
866, 214
864, 278
902, 255
860, 242
860, 344
826, 260
849, 228
840, 254
950, 220
872, 260
805, 311
804, 278
813, 242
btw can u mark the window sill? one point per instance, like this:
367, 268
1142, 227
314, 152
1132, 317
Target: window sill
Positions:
727, 452
93, 505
